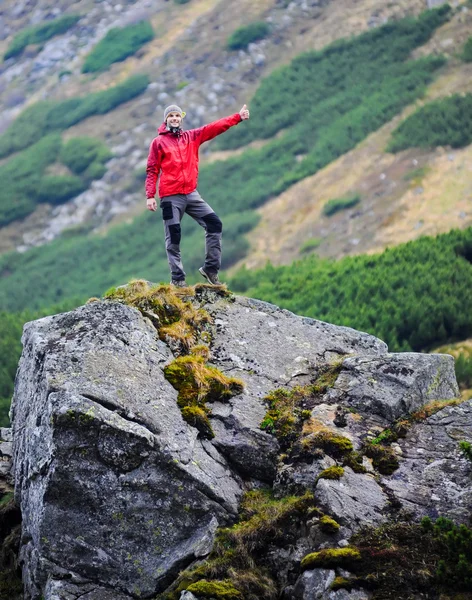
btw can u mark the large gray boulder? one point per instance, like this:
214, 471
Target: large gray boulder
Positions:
113, 485
118, 493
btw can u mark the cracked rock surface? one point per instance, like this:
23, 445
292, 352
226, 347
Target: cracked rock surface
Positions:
118, 493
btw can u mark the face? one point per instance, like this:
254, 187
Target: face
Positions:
174, 119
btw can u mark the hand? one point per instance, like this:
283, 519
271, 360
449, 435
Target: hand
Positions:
151, 204
244, 113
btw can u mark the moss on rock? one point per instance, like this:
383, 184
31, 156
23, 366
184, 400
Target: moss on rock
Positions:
328, 524
330, 558
215, 589
383, 458
332, 443
334, 472
198, 383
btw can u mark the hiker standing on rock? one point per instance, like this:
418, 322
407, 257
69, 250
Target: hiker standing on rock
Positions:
174, 155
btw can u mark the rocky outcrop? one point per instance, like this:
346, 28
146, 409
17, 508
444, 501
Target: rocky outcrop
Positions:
119, 492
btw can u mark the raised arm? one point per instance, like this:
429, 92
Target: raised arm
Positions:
210, 131
152, 172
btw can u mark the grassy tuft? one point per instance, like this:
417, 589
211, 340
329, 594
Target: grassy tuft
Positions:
235, 558
332, 443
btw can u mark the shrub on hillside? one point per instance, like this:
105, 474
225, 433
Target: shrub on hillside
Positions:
21, 177
463, 364
39, 33
45, 117
467, 51
117, 45
443, 122
57, 189
380, 293
243, 36
79, 153
336, 204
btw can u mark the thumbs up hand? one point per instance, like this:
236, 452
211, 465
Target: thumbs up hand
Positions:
244, 113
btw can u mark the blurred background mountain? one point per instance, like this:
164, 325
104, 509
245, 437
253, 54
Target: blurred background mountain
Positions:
352, 179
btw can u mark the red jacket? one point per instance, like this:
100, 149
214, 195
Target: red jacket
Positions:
176, 157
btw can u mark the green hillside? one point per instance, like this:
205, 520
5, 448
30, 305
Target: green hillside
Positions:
414, 296
356, 86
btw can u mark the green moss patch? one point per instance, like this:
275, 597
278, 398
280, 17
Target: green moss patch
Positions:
330, 558
215, 589
238, 554
334, 472
332, 443
383, 458
328, 524
289, 408
198, 383
185, 327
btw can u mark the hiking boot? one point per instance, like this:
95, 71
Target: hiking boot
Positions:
212, 278
178, 282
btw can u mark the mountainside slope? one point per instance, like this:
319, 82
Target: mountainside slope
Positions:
210, 84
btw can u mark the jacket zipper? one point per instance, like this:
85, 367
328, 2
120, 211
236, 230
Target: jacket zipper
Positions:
181, 160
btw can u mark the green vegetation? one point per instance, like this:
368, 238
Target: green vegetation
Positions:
329, 525
334, 444
443, 122
39, 33
26, 182
334, 472
243, 36
79, 153
383, 458
21, 177
466, 448
331, 557
184, 328
467, 51
379, 293
416, 175
215, 589
57, 189
310, 245
236, 564
403, 560
198, 383
287, 408
463, 368
374, 79
11, 326
46, 117
117, 45
355, 86
333, 206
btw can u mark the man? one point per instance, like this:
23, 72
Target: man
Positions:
174, 155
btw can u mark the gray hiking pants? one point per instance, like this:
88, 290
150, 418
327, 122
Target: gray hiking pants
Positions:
173, 209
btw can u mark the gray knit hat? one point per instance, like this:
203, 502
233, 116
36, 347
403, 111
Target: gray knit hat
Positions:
173, 108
